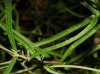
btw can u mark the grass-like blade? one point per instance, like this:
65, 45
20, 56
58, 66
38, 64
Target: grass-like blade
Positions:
83, 55
4, 63
8, 13
7, 50
75, 66
65, 32
24, 41
71, 12
52, 70
88, 28
3, 67
10, 66
82, 39
12, 53
85, 4
28, 44
24, 70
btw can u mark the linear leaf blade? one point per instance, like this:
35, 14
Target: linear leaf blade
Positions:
10, 66
8, 13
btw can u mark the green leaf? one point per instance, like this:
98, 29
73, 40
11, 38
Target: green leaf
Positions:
66, 9
4, 63
66, 42
52, 70
85, 4
65, 32
75, 66
10, 66
7, 50
83, 55
33, 47
8, 13
82, 39
30, 46
24, 70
